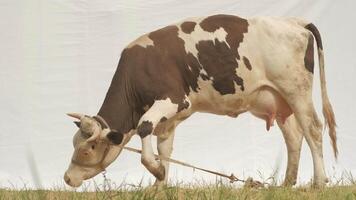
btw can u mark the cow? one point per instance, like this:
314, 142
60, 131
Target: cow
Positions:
220, 64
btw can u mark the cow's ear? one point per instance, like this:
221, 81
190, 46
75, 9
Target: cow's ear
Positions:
115, 137
77, 123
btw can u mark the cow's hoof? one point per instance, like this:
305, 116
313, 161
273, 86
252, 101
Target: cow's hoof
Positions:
160, 184
318, 185
326, 180
289, 183
320, 182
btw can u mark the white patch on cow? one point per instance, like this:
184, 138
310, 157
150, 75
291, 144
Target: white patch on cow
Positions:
193, 38
143, 41
202, 71
277, 40
160, 108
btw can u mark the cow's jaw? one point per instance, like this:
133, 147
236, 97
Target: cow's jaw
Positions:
76, 174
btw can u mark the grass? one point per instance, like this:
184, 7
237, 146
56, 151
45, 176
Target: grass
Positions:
338, 188
217, 191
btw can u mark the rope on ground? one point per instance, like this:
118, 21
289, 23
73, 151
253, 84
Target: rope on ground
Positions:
249, 182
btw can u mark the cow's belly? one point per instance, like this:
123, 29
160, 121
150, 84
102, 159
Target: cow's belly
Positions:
262, 101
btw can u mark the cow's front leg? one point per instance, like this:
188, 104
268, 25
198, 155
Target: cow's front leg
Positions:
165, 148
161, 109
148, 159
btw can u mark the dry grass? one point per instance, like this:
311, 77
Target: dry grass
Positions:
218, 191
338, 188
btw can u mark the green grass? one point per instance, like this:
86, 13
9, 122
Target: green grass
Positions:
219, 191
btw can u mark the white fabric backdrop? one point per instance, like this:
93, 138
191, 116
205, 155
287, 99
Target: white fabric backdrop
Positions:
59, 56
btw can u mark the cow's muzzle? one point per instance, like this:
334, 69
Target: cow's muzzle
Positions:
73, 182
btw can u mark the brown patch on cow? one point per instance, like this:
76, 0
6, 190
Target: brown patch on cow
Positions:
165, 69
115, 137
312, 28
178, 71
188, 27
309, 55
247, 63
219, 58
117, 109
183, 105
144, 129
233, 25
163, 119
220, 63
157, 72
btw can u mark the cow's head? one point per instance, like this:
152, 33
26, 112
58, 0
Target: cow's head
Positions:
95, 148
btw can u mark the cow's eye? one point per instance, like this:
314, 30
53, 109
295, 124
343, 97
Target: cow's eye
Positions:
93, 146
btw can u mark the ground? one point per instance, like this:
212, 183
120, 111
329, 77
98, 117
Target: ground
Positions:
217, 191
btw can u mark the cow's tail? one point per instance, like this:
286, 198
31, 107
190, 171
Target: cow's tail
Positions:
329, 117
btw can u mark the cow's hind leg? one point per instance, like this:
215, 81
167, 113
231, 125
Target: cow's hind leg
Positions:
293, 137
165, 148
161, 109
305, 114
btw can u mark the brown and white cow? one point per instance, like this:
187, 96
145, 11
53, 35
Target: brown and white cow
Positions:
220, 64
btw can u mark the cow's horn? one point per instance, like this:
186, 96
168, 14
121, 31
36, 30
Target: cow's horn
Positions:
75, 115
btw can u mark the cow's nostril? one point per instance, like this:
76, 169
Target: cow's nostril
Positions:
66, 178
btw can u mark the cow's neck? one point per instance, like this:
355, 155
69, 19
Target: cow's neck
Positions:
117, 108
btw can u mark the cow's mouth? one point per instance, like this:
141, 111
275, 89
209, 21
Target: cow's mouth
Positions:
75, 175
